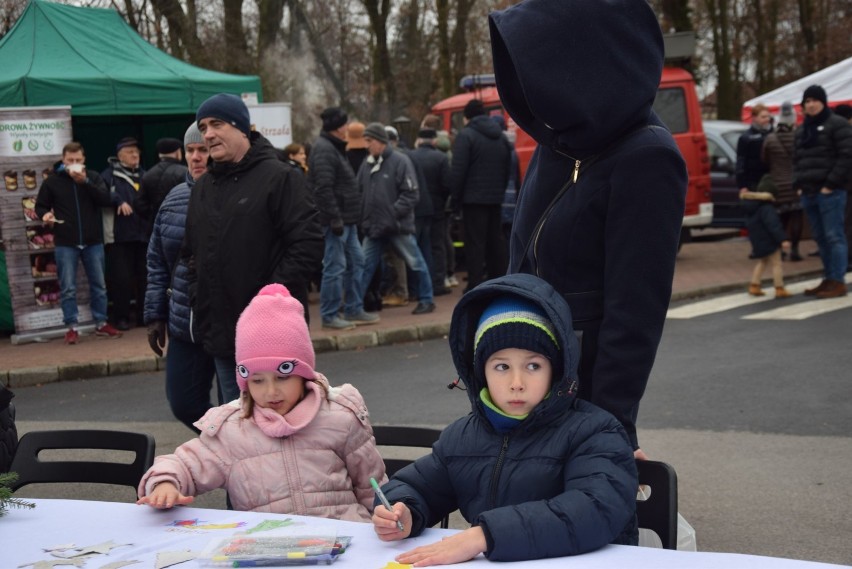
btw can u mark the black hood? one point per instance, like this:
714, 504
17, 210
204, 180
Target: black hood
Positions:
559, 65
463, 328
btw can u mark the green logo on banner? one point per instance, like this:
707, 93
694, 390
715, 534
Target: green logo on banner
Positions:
18, 145
33, 145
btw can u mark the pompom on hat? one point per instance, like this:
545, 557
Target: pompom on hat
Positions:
272, 336
228, 108
514, 322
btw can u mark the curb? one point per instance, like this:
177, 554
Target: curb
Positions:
33, 376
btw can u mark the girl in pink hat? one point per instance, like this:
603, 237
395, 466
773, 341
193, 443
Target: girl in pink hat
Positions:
291, 444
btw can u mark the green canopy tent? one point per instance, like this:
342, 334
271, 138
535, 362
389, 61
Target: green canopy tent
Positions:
116, 83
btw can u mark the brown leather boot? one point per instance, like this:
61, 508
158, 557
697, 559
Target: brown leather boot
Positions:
816, 289
781, 292
833, 289
754, 290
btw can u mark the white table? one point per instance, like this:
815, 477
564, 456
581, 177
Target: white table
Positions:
25, 533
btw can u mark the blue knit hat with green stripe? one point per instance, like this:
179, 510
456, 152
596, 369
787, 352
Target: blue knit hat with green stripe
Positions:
515, 322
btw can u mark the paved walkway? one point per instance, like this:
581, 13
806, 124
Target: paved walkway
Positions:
703, 267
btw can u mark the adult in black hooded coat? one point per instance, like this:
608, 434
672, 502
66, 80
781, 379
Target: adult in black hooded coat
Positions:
581, 77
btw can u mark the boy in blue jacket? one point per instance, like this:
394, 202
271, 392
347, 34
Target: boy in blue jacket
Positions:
536, 471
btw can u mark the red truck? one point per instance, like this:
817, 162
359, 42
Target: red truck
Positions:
676, 104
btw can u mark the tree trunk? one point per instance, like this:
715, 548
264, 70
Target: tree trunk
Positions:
384, 98
236, 56
445, 71
459, 41
270, 14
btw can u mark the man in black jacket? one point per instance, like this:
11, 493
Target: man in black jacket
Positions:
482, 157
70, 201
159, 180
332, 181
822, 160
251, 222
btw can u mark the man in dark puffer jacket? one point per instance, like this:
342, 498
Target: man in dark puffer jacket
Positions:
822, 160
537, 472
482, 158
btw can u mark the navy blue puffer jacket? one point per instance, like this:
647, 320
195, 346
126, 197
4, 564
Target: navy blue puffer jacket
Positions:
561, 483
163, 274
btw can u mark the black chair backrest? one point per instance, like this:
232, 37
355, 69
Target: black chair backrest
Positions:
401, 436
659, 511
31, 469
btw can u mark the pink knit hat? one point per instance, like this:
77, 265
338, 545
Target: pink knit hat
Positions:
272, 336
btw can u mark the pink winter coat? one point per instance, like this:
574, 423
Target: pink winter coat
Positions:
323, 470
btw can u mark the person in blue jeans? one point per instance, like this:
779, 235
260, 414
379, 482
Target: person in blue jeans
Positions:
822, 161
69, 201
332, 180
388, 185
168, 315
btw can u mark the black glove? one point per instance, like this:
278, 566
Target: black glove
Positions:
157, 336
337, 227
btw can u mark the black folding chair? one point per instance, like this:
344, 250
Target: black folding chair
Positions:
31, 469
399, 436
658, 512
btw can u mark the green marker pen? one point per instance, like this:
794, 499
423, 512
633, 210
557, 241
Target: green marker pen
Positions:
384, 500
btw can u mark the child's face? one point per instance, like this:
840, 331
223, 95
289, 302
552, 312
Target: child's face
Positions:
277, 392
517, 379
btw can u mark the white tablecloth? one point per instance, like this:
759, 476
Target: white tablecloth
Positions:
24, 534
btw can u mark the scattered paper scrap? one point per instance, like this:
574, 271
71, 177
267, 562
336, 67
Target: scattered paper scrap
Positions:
61, 547
104, 548
169, 558
118, 564
267, 525
50, 564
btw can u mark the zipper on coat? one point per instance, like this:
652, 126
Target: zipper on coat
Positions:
495, 476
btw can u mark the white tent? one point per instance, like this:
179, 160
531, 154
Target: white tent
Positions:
835, 79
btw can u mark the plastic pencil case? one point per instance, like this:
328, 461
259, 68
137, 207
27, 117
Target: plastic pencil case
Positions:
273, 551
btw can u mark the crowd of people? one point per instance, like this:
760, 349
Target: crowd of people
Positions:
784, 172
554, 338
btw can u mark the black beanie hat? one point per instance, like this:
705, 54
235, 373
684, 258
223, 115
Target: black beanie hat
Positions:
125, 142
168, 145
514, 322
473, 108
333, 118
228, 108
815, 92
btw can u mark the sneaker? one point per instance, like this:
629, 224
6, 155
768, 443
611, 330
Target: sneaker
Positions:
394, 300
362, 318
452, 281
338, 323
71, 336
106, 330
424, 308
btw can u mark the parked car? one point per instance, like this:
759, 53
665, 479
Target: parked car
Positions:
722, 137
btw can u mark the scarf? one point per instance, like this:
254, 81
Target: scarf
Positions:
274, 425
810, 132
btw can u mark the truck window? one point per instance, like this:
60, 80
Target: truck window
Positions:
670, 106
